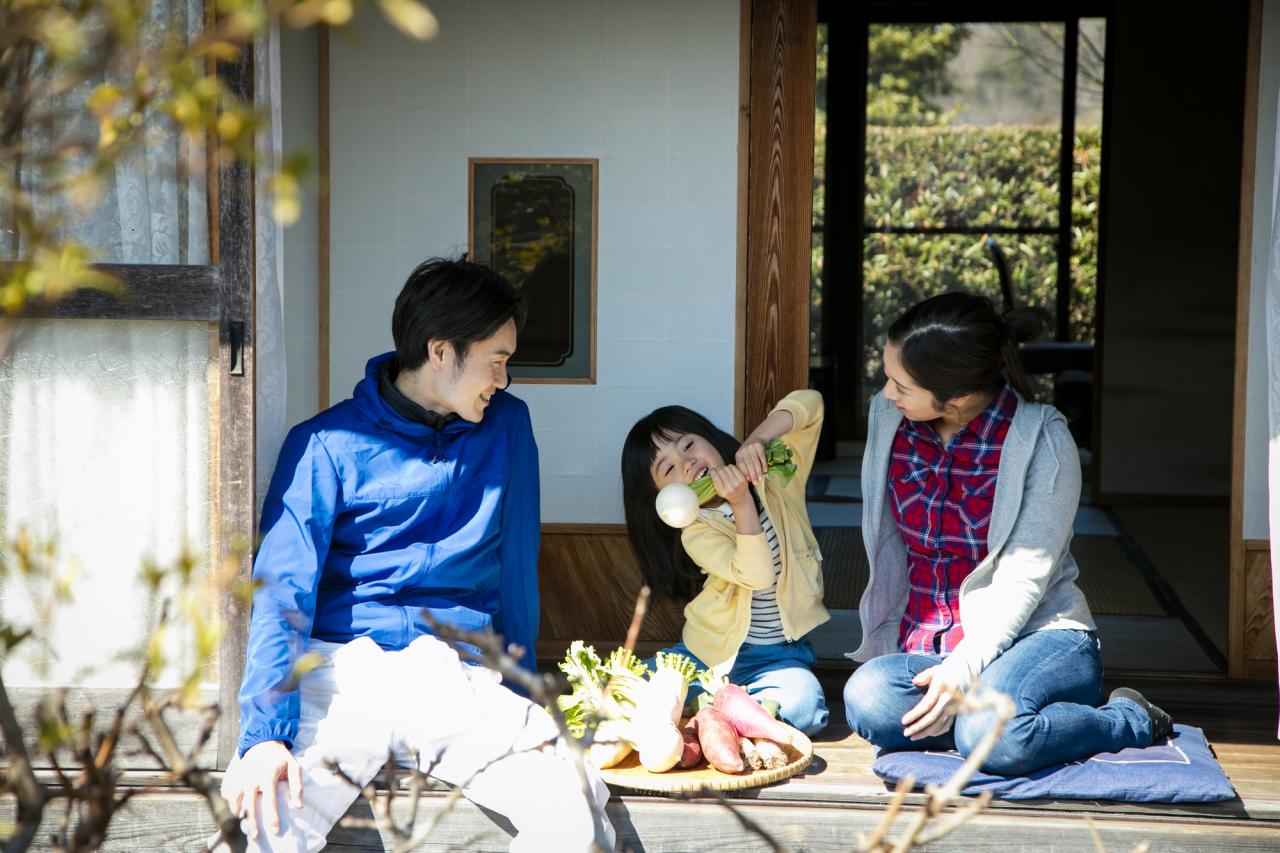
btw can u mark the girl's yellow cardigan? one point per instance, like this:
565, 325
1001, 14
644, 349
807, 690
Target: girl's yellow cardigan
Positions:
717, 619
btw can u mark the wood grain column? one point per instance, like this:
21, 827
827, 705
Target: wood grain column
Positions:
236, 438
779, 201
1242, 617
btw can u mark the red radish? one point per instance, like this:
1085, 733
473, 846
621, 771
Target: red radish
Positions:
692, 755
719, 741
743, 712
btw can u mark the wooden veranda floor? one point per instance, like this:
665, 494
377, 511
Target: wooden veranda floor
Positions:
837, 797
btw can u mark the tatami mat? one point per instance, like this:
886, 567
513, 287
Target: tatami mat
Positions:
1110, 580
1188, 547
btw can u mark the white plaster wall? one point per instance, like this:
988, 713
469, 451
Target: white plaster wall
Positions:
299, 75
1264, 204
651, 89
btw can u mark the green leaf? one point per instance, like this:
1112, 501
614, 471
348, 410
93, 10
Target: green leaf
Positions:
411, 18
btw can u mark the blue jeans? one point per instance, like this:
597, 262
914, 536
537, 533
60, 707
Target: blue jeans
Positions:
783, 673
1054, 678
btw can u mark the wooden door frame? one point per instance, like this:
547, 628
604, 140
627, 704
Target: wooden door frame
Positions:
236, 443
1240, 619
220, 292
775, 212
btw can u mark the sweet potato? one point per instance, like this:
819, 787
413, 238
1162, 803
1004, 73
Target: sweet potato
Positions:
719, 741
692, 755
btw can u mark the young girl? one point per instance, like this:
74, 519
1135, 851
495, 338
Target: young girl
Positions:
748, 566
970, 491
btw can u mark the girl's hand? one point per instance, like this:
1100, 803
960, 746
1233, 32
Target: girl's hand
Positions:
750, 460
732, 485
936, 712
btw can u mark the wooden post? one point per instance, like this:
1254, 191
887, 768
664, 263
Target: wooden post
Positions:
236, 443
779, 201
1237, 607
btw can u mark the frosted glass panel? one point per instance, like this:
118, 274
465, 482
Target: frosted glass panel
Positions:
105, 437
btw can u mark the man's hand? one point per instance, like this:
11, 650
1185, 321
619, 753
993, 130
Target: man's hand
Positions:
259, 770
935, 713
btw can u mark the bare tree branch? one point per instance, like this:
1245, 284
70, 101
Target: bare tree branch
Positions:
19, 777
900, 792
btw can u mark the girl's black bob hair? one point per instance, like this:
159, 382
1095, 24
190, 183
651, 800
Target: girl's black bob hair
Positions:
664, 564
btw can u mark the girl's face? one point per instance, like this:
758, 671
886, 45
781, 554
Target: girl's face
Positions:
682, 459
900, 389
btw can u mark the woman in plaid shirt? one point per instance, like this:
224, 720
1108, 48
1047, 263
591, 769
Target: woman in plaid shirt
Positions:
970, 493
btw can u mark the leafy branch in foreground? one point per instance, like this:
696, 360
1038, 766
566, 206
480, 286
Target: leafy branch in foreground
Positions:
86, 759
89, 85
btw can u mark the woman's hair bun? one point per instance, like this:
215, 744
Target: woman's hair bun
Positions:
1028, 324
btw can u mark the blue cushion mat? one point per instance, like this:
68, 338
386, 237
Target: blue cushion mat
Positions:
1181, 770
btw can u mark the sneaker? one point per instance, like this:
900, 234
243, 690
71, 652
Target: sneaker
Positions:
1161, 722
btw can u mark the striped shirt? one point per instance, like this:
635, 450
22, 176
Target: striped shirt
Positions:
766, 619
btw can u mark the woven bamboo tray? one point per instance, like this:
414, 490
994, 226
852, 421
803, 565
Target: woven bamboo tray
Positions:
629, 773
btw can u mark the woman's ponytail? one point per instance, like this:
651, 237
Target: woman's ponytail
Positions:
1021, 325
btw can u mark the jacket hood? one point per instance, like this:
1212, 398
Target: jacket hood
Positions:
369, 401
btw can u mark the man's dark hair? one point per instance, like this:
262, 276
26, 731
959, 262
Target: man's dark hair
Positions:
451, 300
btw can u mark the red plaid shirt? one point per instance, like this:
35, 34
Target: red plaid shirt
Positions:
941, 498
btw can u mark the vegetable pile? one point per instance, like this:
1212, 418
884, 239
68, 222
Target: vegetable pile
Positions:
677, 504
617, 705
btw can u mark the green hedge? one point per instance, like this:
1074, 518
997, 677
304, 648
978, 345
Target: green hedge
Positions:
983, 177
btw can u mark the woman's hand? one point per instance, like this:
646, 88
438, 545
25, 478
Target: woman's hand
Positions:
936, 712
750, 460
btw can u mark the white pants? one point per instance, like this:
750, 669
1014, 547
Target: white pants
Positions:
468, 730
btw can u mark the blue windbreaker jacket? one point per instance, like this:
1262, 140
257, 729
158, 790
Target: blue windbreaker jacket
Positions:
372, 518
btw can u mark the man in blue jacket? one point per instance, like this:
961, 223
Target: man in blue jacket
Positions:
418, 494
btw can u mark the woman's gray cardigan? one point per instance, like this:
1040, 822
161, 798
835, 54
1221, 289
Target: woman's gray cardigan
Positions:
1027, 581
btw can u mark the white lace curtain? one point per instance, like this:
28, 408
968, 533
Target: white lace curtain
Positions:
151, 211
269, 271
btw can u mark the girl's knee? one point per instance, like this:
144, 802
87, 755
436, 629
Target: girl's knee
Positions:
801, 702
809, 714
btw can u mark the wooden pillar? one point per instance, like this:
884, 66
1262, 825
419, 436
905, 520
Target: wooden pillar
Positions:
781, 79
1249, 607
236, 439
